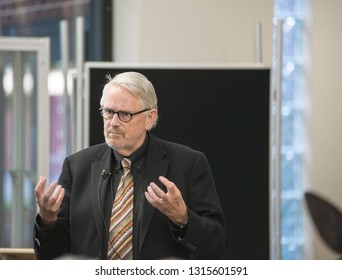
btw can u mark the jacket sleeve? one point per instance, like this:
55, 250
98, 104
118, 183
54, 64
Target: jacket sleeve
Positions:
52, 241
205, 236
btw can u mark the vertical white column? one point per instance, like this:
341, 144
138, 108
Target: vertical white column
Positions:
64, 43
278, 136
18, 150
79, 125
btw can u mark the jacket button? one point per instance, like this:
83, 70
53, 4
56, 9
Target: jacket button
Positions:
190, 246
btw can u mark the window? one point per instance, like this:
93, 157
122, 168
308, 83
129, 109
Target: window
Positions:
291, 12
24, 149
35, 18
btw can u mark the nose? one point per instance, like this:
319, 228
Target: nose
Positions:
115, 121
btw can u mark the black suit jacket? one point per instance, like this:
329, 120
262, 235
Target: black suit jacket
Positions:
82, 226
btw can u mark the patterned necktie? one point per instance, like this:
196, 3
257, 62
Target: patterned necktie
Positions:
121, 221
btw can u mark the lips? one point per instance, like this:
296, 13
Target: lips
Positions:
114, 134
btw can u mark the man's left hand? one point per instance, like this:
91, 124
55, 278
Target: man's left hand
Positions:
170, 203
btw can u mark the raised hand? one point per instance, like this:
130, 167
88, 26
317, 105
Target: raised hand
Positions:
170, 203
49, 200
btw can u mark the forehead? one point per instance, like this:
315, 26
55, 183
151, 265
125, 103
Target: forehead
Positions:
118, 97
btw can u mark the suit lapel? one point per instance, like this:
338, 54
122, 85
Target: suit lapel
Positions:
99, 184
156, 166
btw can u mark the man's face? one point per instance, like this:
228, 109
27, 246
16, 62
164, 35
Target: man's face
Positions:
126, 137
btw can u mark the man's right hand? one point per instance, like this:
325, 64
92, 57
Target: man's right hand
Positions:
49, 201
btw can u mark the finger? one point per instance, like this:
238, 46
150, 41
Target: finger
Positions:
50, 189
152, 193
154, 198
56, 193
149, 198
170, 186
60, 197
39, 189
157, 190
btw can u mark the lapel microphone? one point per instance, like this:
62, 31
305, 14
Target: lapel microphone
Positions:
104, 173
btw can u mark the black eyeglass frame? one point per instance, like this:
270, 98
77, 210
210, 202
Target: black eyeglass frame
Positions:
121, 112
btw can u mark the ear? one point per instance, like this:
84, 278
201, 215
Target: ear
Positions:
151, 119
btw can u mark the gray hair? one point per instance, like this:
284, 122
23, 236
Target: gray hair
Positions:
138, 85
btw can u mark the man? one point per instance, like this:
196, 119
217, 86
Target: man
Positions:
133, 197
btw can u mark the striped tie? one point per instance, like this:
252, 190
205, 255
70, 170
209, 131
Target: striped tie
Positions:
121, 221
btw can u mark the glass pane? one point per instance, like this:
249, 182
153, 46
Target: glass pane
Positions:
292, 172
291, 251
58, 149
291, 220
18, 147
293, 125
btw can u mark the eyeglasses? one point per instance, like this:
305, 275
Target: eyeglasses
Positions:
124, 116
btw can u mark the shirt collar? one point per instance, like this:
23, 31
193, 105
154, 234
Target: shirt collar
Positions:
137, 158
